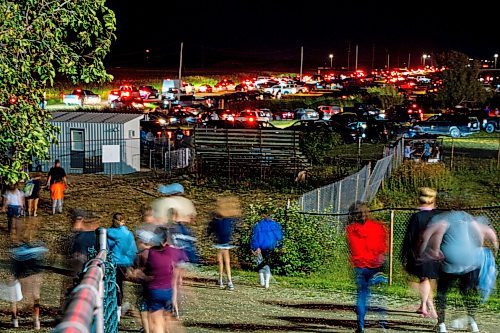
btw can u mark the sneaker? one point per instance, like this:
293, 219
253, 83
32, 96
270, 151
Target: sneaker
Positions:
442, 328
15, 323
261, 278
221, 284
230, 285
473, 326
267, 278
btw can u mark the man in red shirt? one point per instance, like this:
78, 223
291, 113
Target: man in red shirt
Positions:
367, 241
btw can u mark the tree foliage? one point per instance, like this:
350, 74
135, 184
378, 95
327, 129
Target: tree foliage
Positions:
41, 40
460, 80
387, 95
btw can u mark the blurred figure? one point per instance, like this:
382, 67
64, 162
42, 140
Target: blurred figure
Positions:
424, 270
367, 241
267, 235
84, 241
122, 247
221, 228
457, 238
177, 211
57, 195
27, 256
162, 270
34, 194
13, 204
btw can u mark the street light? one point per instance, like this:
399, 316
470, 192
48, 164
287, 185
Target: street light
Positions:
331, 60
424, 56
496, 57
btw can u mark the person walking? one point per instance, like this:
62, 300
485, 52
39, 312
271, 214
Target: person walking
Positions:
456, 238
367, 241
425, 271
163, 268
57, 195
267, 235
123, 250
34, 195
13, 205
221, 228
56, 173
26, 257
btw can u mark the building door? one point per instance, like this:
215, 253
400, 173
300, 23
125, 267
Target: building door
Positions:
77, 148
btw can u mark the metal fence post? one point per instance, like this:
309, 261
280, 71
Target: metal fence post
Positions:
102, 243
391, 247
150, 158
318, 198
339, 194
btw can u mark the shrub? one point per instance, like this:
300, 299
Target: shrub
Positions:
413, 175
316, 145
310, 244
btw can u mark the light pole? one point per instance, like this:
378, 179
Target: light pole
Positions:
331, 60
424, 56
496, 57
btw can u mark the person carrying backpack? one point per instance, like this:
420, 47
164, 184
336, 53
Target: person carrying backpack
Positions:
267, 235
32, 193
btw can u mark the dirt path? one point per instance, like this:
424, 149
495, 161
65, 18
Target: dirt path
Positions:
249, 308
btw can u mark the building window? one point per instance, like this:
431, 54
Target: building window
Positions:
131, 134
77, 140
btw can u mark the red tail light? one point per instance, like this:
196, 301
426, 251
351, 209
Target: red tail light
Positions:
125, 93
251, 119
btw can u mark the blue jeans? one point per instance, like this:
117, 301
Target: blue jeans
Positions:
363, 277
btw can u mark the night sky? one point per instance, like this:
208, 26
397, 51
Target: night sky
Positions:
268, 34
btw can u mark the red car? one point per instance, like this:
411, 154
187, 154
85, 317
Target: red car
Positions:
225, 85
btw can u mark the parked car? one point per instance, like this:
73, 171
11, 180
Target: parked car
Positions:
283, 114
205, 88
253, 116
125, 91
225, 85
149, 92
127, 104
491, 124
81, 97
453, 125
306, 114
329, 110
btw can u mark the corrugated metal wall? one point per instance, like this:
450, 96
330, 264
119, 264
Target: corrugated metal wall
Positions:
95, 136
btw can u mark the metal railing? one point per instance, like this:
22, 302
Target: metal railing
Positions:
91, 307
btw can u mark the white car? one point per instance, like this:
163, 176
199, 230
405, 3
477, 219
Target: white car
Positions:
81, 97
252, 116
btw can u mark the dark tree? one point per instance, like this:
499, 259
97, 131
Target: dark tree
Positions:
460, 80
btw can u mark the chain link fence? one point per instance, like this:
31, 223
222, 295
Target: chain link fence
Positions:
396, 221
363, 185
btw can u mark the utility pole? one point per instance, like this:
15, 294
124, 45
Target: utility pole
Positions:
301, 61
348, 55
388, 63
356, 63
409, 58
373, 56
180, 71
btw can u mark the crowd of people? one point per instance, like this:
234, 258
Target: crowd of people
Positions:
442, 246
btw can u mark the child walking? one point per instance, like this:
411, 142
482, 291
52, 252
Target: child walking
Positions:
222, 228
267, 235
57, 194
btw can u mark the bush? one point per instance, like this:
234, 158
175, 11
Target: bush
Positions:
310, 244
316, 145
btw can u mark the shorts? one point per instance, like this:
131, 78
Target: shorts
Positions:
14, 211
159, 299
224, 246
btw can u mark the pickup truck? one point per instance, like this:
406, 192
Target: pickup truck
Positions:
81, 97
491, 124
